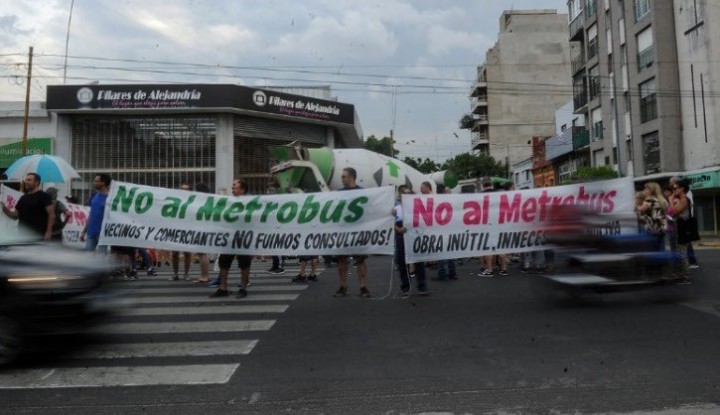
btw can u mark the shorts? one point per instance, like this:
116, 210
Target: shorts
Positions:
359, 259
307, 258
225, 261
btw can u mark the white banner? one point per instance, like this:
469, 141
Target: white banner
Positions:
9, 197
75, 225
337, 223
477, 224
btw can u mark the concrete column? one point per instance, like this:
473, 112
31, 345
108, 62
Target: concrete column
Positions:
224, 153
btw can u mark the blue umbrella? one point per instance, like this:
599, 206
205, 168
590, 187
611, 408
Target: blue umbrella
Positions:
52, 169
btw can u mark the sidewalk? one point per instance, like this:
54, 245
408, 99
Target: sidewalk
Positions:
708, 242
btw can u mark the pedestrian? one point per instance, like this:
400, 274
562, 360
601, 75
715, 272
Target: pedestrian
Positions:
402, 265
446, 268
34, 211
683, 208
239, 188
91, 231
653, 214
302, 276
203, 259
62, 214
349, 178
692, 259
187, 256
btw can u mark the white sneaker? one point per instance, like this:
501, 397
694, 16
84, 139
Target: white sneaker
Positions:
694, 266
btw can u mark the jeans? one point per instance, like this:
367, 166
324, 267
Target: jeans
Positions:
145, 258
402, 267
691, 254
446, 268
91, 244
278, 262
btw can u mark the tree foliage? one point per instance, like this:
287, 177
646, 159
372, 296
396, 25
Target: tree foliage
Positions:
380, 145
470, 166
424, 166
594, 173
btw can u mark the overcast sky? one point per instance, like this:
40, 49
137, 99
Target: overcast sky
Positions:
425, 50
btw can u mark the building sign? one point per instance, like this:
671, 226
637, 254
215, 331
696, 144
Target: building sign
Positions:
704, 180
11, 149
137, 97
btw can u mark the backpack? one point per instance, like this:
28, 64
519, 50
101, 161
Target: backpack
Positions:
655, 218
60, 221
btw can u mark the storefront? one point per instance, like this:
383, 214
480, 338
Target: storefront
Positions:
706, 194
164, 135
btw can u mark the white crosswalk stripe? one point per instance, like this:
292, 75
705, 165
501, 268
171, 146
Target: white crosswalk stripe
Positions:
155, 300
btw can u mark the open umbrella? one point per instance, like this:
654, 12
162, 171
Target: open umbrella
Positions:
52, 169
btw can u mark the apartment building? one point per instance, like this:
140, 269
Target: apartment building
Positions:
524, 79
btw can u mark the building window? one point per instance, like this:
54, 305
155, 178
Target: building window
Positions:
646, 54
590, 8
592, 48
651, 153
648, 101
642, 8
594, 82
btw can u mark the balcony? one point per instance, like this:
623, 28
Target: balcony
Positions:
479, 87
579, 101
479, 104
578, 63
479, 140
577, 26
481, 121
581, 138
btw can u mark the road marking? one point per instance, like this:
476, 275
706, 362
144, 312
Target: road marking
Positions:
706, 306
234, 308
204, 299
118, 376
184, 327
190, 290
128, 350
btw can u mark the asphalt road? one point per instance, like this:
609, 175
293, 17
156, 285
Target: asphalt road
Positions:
477, 345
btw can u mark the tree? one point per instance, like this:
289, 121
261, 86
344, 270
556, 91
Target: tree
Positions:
381, 146
423, 166
586, 174
470, 166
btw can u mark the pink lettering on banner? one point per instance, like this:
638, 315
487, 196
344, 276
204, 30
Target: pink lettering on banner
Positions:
11, 202
476, 214
429, 214
79, 216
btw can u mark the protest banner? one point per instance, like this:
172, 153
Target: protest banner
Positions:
75, 225
337, 223
9, 197
477, 224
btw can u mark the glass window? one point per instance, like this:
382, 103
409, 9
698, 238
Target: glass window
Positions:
648, 101
651, 152
646, 54
642, 8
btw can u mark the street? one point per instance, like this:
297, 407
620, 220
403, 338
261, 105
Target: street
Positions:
476, 345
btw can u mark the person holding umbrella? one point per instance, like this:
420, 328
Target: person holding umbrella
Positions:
35, 210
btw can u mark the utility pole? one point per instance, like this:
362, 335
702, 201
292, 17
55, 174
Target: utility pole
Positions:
27, 103
392, 145
67, 41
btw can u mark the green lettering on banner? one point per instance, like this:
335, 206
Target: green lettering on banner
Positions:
144, 202
356, 210
232, 214
172, 208
210, 210
124, 198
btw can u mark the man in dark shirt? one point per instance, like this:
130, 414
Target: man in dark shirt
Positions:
35, 209
349, 177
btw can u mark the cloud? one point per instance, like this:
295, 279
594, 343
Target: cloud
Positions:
444, 41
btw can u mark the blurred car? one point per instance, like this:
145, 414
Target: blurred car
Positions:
46, 289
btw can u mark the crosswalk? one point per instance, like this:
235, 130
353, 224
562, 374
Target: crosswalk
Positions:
170, 333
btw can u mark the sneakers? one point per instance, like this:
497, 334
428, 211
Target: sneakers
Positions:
151, 272
364, 293
694, 266
405, 294
486, 274
276, 270
312, 278
214, 283
242, 293
503, 273
423, 293
174, 278
220, 293
341, 292
131, 276
299, 279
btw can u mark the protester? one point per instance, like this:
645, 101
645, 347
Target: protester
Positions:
402, 265
653, 213
690, 250
683, 208
349, 177
91, 232
302, 277
187, 256
203, 259
446, 268
34, 211
62, 214
239, 188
